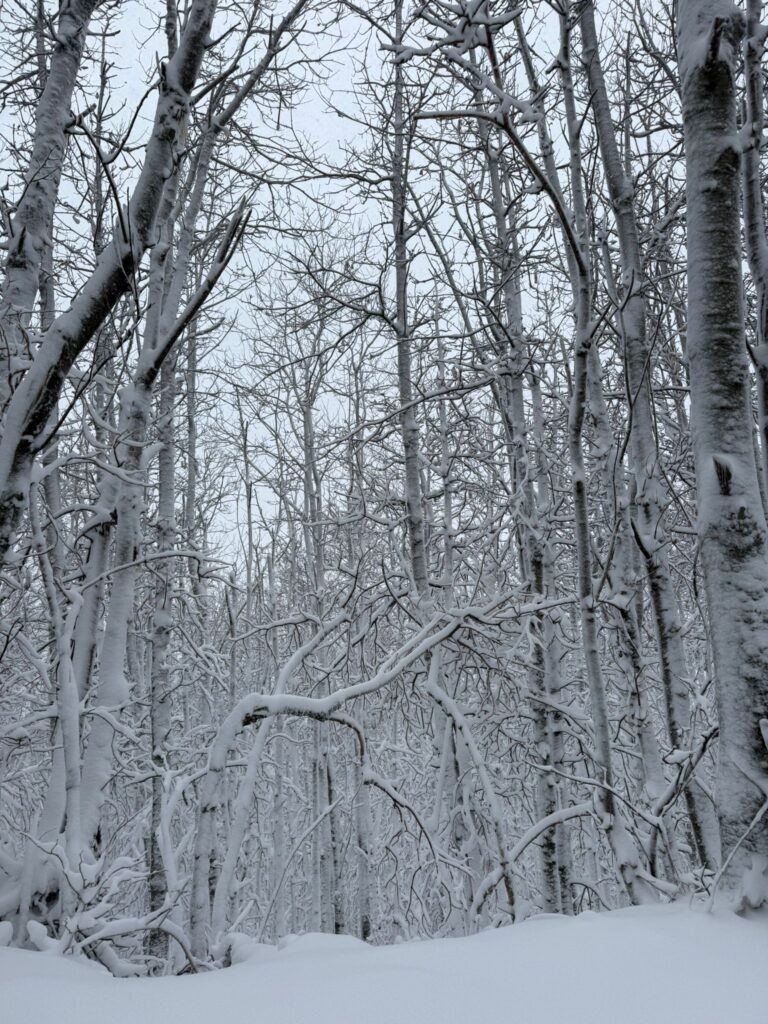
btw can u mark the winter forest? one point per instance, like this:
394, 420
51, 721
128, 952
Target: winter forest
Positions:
383, 494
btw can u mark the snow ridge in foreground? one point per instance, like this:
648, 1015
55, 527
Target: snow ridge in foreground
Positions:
659, 965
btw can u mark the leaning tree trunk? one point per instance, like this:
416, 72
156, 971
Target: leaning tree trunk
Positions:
733, 536
31, 228
35, 396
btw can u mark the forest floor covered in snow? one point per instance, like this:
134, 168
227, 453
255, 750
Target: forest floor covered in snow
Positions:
667, 965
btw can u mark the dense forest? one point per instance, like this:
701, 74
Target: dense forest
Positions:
384, 468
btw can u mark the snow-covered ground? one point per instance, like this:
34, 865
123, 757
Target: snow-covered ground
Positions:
665, 965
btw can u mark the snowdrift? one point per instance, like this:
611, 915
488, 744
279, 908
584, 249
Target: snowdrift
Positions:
661, 965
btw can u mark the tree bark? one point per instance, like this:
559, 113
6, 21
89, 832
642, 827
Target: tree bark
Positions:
733, 536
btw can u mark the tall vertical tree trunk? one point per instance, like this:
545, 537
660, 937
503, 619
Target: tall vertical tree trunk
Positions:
621, 844
408, 423
754, 210
160, 679
732, 531
649, 527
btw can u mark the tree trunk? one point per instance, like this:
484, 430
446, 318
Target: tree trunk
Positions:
732, 531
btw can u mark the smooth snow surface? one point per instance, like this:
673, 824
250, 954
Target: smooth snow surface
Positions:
665, 965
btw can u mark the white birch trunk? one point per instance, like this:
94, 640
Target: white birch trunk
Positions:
649, 491
731, 525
